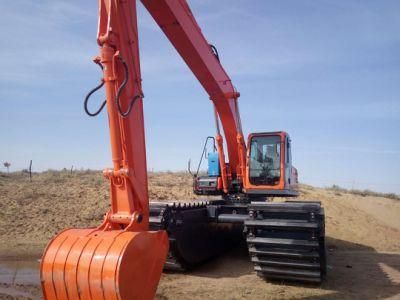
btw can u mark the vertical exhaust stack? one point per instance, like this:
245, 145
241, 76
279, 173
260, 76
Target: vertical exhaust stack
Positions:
120, 259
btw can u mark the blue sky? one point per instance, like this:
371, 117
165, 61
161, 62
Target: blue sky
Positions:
328, 72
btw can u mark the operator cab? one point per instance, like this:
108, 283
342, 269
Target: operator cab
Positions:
269, 170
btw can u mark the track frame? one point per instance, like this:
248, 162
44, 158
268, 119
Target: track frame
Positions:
286, 240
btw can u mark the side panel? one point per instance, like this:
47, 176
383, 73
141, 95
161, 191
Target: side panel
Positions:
213, 164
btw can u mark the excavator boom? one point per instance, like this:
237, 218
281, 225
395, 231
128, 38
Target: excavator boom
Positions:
176, 20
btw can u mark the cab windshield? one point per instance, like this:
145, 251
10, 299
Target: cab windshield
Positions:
264, 166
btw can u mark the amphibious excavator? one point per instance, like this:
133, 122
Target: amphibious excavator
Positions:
123, 257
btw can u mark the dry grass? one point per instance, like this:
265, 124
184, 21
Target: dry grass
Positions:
363, 193
32, 212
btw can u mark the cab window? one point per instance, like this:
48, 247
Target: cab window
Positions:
264, 164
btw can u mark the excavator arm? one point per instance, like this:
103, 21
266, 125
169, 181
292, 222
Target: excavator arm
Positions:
176, 20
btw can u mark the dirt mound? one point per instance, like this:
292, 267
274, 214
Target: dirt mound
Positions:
363, 237
32, 212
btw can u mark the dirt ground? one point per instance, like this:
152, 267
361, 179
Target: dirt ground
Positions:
363, 240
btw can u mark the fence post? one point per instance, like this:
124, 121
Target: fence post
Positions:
30, 171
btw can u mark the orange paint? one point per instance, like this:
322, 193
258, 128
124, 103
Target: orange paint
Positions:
121, 259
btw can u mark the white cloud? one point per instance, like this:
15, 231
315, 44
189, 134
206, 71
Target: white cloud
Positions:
40, 41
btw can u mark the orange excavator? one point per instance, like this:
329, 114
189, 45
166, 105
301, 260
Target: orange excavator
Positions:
123, 258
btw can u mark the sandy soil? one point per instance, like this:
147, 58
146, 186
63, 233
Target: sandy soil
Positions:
363, 239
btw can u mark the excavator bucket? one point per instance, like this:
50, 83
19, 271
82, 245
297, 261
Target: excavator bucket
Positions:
96, 264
